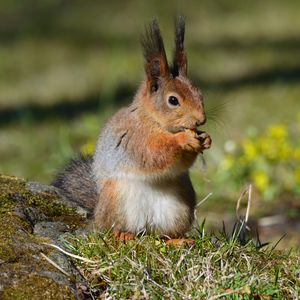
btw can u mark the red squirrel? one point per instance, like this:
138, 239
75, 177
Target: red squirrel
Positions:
138, 179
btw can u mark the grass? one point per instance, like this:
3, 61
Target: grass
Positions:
217, 267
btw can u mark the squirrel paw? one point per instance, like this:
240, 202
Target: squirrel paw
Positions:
124, 236
180, 242
204, 139
189, 141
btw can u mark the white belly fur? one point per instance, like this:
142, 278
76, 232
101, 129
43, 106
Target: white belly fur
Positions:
149, 207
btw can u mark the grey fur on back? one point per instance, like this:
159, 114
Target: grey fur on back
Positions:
112, 157
77, 183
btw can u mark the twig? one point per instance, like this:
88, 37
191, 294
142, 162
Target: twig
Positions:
249, 202
237, 209
204, 199
54, 264
72, 255
238, 215
228, 292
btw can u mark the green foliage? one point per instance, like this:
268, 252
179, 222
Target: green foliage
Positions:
269, 159
216, 267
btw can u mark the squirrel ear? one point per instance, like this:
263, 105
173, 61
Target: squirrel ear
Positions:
156, 65
179, 60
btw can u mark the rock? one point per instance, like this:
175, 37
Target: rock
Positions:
51, 230
36, 187
33, 215
30, 214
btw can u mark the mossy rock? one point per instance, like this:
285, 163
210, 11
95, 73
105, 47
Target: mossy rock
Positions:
27, 209
37, 287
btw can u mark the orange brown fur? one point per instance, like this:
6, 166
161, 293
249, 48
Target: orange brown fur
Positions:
106, 213
140, 167
158, 143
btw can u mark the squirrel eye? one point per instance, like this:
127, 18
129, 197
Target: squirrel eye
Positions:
173, 101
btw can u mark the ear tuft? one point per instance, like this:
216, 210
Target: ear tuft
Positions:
179, 60
156, 64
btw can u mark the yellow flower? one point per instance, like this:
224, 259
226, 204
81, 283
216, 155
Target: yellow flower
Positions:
279, 150
277, 131
284, 151
88, 148
250, 150
269, 148
261, 180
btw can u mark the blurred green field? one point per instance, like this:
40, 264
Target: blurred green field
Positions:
66, 66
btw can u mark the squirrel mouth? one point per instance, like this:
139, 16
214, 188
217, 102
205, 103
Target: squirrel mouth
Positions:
182, 128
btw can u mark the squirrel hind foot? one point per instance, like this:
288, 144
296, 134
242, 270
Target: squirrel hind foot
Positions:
180, 242
124, 235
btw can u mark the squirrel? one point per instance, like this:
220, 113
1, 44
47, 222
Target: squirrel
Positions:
138, 179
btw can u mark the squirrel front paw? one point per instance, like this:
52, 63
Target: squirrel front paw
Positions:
188, 141
193, 141
204, 139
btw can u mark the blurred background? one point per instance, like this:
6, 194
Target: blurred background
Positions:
66, 66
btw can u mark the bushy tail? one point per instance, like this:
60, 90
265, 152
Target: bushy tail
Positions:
77, 183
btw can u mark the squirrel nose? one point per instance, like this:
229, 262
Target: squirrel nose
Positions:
201, 121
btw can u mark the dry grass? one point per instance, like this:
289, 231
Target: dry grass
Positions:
217, 267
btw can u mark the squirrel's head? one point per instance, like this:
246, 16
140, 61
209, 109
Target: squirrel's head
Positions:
172, 99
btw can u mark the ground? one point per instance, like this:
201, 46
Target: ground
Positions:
31, 216
219, 265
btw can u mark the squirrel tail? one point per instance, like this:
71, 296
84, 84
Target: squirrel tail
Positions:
76, 182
